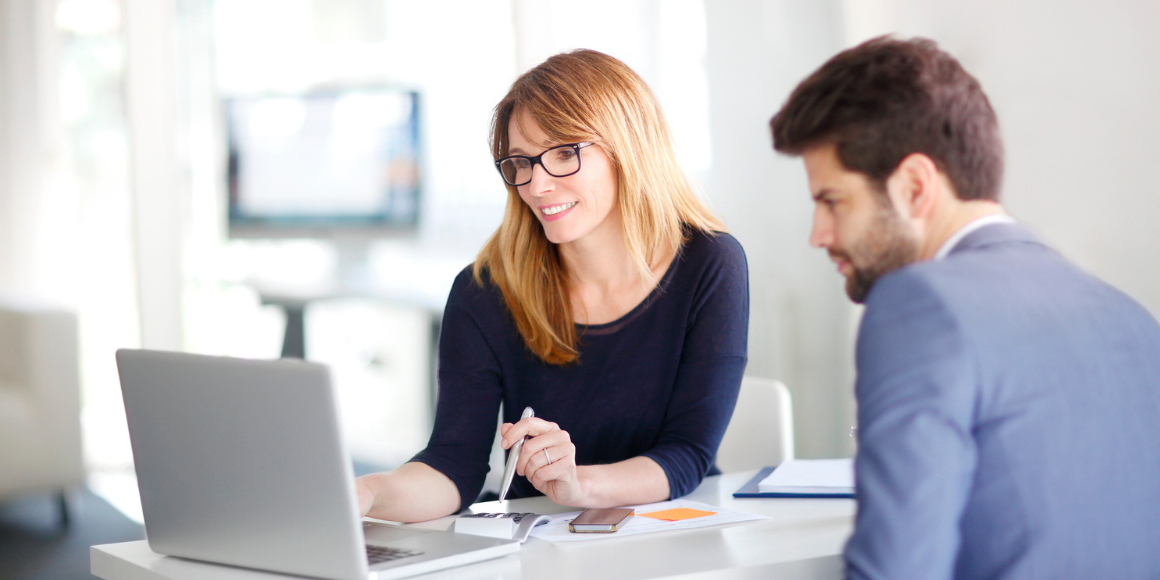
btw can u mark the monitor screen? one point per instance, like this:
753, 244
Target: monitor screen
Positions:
323, 163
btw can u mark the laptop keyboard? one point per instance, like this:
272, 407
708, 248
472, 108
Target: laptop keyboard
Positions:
380, 554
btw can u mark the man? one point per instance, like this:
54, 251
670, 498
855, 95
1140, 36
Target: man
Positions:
1008, 403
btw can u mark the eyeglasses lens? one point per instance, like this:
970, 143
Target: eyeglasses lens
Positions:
516, 170
560, 161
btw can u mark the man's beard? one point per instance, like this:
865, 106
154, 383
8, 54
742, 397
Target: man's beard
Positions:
888, 245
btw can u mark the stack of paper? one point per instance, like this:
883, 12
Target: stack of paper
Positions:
811, 477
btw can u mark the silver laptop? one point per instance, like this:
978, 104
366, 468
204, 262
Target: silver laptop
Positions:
241, 462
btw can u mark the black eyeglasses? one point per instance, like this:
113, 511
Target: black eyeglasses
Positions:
559, 161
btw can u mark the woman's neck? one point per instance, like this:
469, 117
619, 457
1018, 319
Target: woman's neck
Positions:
598, 263
604, 281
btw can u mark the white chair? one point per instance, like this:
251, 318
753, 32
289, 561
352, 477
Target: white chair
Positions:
40, 428
761, 431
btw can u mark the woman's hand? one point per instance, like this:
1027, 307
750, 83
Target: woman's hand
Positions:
547, 459
366, 496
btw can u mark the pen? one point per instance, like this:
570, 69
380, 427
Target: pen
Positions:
509, 470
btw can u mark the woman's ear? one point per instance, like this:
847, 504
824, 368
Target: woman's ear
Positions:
914, 185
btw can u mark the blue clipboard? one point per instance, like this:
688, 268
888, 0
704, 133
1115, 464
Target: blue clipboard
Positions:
750, 489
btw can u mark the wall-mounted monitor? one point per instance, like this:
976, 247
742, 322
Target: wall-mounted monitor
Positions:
340, 163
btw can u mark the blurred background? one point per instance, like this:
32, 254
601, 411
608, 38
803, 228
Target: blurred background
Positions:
305, 177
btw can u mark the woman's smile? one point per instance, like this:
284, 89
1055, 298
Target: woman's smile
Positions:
557, 211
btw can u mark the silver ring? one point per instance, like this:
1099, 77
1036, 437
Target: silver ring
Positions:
546, 456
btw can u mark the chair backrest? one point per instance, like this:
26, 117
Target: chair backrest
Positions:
40, 433
761, 431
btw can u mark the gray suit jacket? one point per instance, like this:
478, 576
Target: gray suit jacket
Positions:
1008, 420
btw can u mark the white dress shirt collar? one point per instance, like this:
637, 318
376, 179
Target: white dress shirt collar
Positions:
962, 233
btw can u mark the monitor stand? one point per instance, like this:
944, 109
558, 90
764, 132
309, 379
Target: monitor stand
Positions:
352, 271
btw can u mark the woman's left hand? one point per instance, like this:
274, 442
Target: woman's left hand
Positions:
548, 459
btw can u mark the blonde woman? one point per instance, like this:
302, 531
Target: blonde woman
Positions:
609, 300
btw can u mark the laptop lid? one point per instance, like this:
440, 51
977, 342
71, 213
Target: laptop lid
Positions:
241, 462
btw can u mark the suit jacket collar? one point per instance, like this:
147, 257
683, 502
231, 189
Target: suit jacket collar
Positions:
994, 234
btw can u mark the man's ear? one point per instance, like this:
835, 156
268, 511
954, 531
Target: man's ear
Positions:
914, 186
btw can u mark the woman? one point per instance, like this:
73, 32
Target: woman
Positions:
608, 300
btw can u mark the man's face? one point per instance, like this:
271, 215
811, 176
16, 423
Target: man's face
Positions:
856, 223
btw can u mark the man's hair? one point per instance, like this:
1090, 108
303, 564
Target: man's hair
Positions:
885, 99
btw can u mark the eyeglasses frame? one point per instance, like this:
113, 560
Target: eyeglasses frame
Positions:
538, 159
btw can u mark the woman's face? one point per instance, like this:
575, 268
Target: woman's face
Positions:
571, 208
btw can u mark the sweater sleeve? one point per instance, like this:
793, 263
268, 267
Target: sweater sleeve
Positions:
470, 390
709, 374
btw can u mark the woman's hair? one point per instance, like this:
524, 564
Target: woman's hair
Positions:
584, 95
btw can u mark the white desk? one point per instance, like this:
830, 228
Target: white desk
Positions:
803, 540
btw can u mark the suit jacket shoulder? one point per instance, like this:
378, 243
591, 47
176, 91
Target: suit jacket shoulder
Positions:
999, 390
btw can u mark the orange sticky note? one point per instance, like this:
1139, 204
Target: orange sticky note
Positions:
677, 514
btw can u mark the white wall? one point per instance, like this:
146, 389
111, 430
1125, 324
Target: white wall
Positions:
758, 50
161, 204
1076, 86
26, 129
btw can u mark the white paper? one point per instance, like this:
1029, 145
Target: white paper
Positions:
557, 529
811, 476
495, 526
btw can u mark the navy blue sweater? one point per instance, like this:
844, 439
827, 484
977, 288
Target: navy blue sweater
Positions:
660, 382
